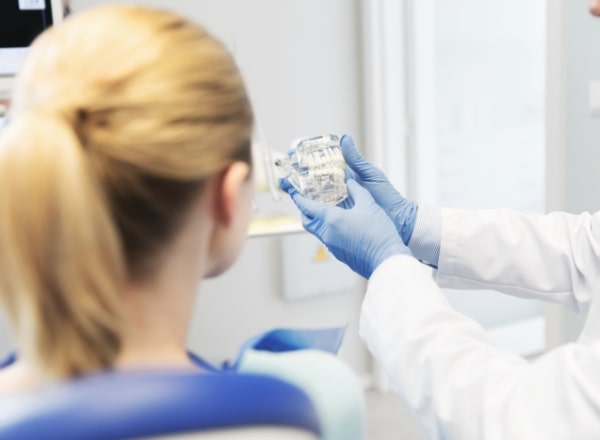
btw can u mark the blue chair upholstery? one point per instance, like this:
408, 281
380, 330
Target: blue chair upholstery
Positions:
150, 404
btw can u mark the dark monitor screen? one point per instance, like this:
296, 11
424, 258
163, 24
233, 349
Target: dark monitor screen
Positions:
21, 21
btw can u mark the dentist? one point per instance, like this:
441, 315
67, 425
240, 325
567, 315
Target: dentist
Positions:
443, 364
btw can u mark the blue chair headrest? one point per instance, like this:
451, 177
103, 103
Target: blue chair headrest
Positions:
128, 405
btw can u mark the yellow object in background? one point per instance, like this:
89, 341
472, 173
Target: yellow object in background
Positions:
321, 255
309, 270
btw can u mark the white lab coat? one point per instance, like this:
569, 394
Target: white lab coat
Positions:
459, 385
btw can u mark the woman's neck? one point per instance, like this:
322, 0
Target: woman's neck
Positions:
19, 377
158, 314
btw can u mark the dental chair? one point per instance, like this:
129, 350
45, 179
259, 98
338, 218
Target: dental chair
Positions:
284, 384
162, 405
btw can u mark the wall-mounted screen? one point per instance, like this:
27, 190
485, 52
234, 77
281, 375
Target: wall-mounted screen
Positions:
20, 22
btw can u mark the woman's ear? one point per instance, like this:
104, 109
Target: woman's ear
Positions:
230, 192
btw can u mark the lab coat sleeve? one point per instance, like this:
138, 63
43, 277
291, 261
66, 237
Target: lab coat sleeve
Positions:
553, 257
456, 382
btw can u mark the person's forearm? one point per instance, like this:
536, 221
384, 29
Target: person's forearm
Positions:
440, 362
551, 257
455, 380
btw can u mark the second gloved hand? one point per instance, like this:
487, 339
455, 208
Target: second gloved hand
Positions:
362, 236
402, 211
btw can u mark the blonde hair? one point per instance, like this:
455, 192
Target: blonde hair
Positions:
119, 116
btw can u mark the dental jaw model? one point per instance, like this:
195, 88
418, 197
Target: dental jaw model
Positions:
315, 167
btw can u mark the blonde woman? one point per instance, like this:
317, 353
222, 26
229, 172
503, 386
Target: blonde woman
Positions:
125, 179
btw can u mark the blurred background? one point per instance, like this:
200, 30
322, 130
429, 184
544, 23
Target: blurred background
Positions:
463, 103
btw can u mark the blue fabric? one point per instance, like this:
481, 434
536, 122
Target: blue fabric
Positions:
278, 341
201, 363
130, 405
283, 340
11, 359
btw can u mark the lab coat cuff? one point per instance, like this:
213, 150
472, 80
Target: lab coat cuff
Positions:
427, 235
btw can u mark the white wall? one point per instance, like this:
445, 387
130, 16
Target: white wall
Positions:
300, 59
582, 129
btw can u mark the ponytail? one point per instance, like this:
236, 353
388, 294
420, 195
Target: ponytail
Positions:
112, 141
61, 265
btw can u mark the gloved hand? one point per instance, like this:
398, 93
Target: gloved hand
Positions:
403, 212
362, 236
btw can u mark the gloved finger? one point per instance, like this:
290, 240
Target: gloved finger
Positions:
305, 220
365, 170
310, 224
347, 203
350, 174
308, 207
358, 193
285, 184
353, 158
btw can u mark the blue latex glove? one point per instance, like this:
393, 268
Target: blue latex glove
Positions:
362, 236
403, 212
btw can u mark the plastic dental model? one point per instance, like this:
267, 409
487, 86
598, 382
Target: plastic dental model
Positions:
315, 167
